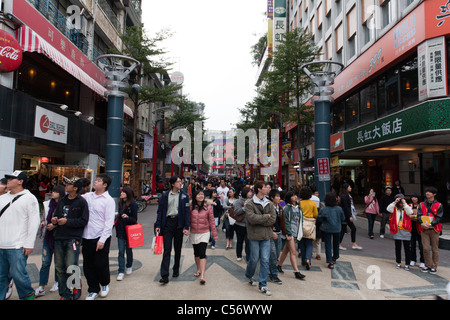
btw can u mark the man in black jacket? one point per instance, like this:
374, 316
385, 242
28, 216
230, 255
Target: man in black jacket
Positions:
386, 199
68, 222
172, 221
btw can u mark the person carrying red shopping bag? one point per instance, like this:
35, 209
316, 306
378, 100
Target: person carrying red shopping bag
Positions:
172, 223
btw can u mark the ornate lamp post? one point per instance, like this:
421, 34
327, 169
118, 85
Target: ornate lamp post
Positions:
116, 81
322, 80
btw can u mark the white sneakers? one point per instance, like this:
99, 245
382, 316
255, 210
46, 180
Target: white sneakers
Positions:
103, 293
121, 275
105, 290
39, 292
55, 287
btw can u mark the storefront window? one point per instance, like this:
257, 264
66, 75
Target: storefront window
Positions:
409, 86
338, 117
369, 103
352, 111
392, 96
381, 96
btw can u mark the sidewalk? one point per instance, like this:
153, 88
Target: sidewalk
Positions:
352, 278
444, 239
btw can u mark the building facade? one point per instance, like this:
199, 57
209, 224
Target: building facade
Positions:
391, 109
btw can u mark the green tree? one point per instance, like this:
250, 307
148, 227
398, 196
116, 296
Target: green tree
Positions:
139, 46
285, 88
185, 116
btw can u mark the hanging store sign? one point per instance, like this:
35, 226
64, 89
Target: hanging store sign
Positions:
50, 126
10, 53
279, 22
431, 57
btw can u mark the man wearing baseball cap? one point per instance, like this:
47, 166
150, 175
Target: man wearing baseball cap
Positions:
19, 223
68, 222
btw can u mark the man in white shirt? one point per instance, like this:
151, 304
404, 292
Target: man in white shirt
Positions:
19, 223
97, 237
223, 188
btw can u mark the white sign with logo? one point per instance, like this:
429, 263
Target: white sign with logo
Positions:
50, 126
431, 58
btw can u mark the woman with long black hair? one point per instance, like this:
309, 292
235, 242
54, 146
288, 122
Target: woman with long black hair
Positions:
127, 216
350, 214
202, 227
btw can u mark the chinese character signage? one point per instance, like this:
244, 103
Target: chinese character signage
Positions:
279, 22
426, 117
432, 69
323, 165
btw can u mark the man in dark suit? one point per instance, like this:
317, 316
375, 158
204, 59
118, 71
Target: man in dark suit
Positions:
172, 222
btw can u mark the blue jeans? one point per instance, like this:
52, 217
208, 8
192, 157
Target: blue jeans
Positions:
123, 247
259, 250
275, 250
65, 256
13, 265
47, 256
331, 245
306, 247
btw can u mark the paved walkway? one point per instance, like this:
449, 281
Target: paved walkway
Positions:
358, 275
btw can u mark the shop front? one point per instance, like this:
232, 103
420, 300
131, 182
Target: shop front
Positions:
411, 146
46, 142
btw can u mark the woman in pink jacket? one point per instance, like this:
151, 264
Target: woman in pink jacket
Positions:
372, 210
202, 224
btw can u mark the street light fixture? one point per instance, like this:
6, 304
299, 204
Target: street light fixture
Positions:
117, 75
323, 79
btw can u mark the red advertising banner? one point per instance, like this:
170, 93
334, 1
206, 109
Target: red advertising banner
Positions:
39, 24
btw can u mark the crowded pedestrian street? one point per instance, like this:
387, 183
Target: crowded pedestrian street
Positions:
369, 274
220, 158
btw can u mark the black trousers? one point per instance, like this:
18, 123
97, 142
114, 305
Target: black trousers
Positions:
406, 248
171, 234
96, 264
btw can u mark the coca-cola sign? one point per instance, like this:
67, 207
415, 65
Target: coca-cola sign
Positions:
10, 53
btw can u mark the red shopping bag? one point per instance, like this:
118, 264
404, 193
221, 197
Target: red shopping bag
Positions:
158, 244
135, 235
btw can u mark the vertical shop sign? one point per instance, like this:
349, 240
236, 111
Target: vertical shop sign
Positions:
432, 74
279, 22
324, 169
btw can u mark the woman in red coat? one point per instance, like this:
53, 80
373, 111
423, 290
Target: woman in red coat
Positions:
202, 225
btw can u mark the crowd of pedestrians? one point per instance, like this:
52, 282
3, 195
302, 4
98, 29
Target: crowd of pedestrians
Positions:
270, 224
277, 223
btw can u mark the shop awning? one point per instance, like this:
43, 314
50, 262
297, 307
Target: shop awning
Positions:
127, 110
30, 41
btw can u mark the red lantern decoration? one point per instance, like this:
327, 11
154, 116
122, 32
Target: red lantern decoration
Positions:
10, 53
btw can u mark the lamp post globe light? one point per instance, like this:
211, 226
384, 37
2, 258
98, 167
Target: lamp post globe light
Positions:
117, 75
323, 79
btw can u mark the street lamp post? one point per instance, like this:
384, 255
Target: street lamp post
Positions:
116, 81
322, 80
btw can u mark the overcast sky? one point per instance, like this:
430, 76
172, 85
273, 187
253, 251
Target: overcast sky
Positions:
211, 46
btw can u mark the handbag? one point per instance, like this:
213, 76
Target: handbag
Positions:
309, 228
233, 215
157, 244
135, 235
